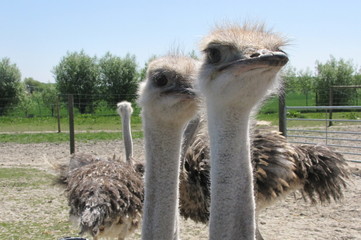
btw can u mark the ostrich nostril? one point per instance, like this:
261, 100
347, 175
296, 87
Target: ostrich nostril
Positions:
255, 55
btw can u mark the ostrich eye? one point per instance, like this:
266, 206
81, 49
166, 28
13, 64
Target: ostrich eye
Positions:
213, 55
160, 80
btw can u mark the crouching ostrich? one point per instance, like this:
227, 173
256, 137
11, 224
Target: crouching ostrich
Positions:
106, 195
105, 199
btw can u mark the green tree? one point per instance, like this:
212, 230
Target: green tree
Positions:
118, 78
143, 71
289, 78
33, 85
305, 83
49, 96
77, 73
26, 104
10, 85
334, 73
358, 78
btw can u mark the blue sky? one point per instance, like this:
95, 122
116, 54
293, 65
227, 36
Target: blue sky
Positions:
36, 34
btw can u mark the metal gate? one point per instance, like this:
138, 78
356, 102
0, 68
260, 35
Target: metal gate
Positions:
343, 135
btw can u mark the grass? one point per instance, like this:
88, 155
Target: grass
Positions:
62, 137
99, 135
31, 230
85, 122
37, 216
22, 177
44, 129
292, 99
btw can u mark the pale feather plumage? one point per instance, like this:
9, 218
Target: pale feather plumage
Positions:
105, 198
280, 168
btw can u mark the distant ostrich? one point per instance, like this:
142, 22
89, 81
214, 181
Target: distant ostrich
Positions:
106, 196
241, 64
168, 102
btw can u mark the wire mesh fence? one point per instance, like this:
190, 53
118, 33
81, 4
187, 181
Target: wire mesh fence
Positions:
337, 95
91, 113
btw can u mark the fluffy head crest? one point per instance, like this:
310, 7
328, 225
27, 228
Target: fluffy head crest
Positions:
249, 35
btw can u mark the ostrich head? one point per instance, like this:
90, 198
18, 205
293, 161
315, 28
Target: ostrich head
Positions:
168, 89
124, 107
241, 62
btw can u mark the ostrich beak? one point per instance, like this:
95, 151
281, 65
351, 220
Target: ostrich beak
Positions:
181, 91
256, 61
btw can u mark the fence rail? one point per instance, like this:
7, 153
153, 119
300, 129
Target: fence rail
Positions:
324, 107
346, 142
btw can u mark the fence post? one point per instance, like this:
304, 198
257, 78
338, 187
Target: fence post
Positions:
282, 112
330, 103
71, 123
58, 113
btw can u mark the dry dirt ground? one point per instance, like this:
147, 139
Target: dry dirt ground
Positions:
290, 219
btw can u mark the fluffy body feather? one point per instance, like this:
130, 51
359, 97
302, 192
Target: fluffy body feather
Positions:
280, 168
105, 198
76, 161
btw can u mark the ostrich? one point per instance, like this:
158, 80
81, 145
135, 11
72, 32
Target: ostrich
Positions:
241, 64
168, 102
106, 196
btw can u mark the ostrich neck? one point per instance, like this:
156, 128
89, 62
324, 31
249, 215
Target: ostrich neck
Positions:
232, 204
127, 137
162, 149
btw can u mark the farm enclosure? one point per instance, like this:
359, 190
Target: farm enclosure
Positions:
39, 211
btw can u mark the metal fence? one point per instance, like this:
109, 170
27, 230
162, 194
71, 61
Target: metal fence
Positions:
343, 135
39, 116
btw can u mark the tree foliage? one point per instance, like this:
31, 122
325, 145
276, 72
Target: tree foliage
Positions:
305, 83
77, 74
49, 96
118, 78
334, 73
27, 102
289, 78
32, 85
10, 85
143, 71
